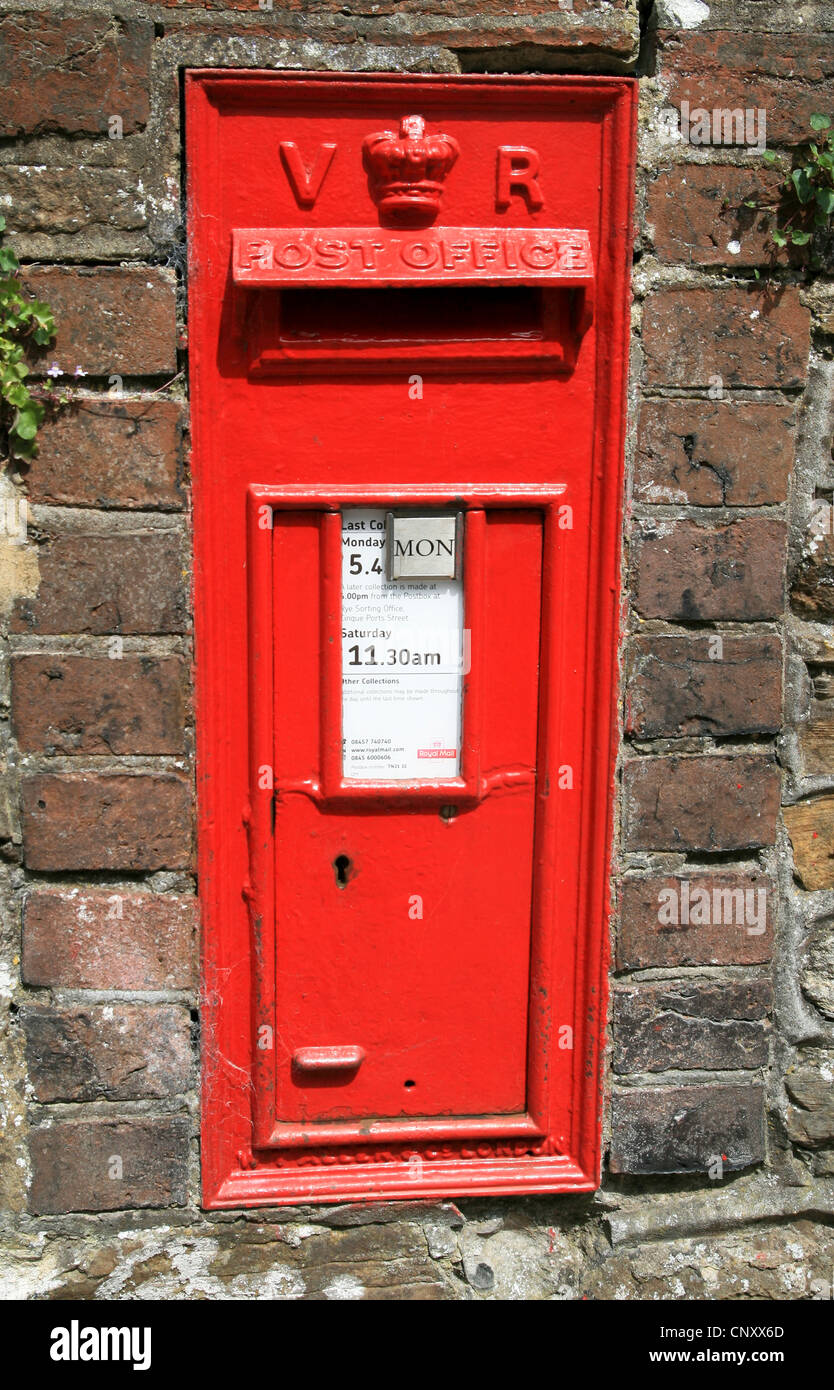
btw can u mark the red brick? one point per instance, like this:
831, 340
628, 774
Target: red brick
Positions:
689, 573
714, 453
108, 453
729, 336
86, 821
684, 1129
107, 1052
76, 1165
679, 686
789, 76
115, 320
71, 73
79, 704
697, 210
645, 942
97, 939
691, 1026
708, 803
121, 582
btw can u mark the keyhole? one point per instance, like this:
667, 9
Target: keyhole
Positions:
342, 867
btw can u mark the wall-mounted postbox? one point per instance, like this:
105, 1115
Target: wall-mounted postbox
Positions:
408, 309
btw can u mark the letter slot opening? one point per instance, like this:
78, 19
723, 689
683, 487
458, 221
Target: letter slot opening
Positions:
459, 314
463, 326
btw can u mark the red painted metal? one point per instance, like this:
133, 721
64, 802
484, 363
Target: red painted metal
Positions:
352, 257
328, 1059
351, 1051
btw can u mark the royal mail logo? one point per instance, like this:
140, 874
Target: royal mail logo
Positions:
282, 257
437, 752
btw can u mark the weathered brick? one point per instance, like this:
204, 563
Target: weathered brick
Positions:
109, 940
732, 335
816, 741
810, 825
698, 215
72, 73
107, 453
105, 1165
810, 1121
690, 1026
87, 821
714, 453
115, 320
562, 13
121, 582
690, 573
483, 33
709, 804
727, 69
812, 584
716, 684
659, 926
79, 704
108, 1051
69, 201
582, 45
686, 1129
818, 972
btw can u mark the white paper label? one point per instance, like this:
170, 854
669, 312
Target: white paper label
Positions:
402, 667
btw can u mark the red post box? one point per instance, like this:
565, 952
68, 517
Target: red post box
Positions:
408, 307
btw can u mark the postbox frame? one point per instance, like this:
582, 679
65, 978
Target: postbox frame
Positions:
237, 1171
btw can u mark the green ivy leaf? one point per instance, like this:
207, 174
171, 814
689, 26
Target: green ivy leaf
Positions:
825, 200
26, 421
803, 185
779, 237
16, 394
820, 122
769, 156
800, 238
22, 448
20, 319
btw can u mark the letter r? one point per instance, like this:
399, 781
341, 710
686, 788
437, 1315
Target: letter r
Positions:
516, 175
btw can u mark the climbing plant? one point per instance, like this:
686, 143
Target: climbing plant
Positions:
21, 319
803, 213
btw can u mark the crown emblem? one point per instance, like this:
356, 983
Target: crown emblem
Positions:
407, 169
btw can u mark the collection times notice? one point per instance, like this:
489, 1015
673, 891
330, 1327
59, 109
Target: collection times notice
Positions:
402, 667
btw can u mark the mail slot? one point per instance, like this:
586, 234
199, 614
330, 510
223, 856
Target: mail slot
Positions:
408, 309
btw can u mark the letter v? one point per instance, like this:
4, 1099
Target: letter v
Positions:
306, 183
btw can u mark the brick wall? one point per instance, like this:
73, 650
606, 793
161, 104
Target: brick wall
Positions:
722, 1026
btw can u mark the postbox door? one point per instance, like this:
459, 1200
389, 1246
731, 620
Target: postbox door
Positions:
403, 921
